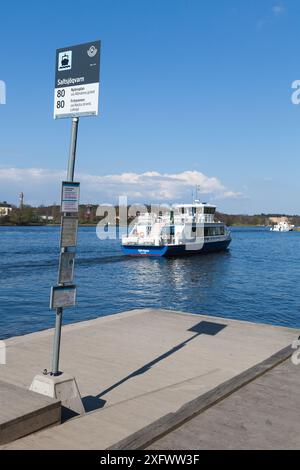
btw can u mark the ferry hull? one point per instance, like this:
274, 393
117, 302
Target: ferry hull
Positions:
174, 250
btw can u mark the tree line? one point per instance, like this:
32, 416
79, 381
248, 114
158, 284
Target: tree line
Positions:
50, 215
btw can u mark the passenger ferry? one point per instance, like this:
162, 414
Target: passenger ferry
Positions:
186, 229
282, 226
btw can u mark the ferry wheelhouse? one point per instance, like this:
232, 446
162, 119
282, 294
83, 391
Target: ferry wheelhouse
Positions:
186, 229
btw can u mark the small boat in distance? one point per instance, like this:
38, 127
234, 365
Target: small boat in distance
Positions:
186, 229
282, 226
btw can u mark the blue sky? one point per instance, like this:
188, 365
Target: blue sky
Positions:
192, 92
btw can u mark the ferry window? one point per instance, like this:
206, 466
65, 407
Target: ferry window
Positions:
194, 228
210, 231
209, 210
172, 230
182, 210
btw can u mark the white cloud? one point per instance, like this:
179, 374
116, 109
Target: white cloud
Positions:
43, 186
278, 9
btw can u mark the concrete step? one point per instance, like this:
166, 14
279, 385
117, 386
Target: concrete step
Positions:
23, 412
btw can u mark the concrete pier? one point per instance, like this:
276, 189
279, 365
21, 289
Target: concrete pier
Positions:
23, 412
136, 368
262, 415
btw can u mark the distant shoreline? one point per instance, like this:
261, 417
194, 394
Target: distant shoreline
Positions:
121, 226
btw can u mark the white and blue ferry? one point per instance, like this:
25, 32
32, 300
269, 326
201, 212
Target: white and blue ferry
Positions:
186, 229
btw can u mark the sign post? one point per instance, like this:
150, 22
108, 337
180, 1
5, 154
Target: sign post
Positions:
70, 203
76, 94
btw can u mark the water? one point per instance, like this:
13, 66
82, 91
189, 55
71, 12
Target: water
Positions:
256, 280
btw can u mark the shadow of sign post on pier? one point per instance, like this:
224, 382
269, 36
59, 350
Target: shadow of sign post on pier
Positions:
203, 328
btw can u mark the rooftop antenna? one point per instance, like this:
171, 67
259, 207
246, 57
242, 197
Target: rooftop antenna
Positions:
196, 191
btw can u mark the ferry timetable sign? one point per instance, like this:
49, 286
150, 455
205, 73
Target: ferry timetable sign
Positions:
77, 72
70, 196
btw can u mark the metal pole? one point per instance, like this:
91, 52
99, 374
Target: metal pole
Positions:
59, 311
57, 336
72, 154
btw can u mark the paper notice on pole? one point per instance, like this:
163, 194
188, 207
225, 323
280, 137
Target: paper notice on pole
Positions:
69, 227
63, 296
70, 197
66, 267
